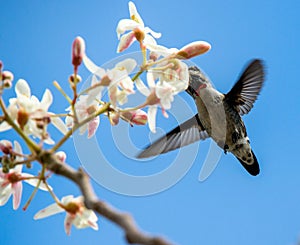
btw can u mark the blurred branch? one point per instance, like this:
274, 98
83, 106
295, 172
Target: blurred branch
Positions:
124, 220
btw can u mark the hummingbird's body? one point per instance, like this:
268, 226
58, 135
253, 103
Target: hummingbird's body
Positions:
219, 117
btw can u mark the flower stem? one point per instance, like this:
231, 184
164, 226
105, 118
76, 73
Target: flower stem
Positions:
32, 145
57, 201
137, 74
59, 88
78, 125
41, 177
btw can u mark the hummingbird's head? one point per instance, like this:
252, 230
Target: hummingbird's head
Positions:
197, 80
243, 151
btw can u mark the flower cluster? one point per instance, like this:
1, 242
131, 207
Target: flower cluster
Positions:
11, 178
165, 72
31, 114
76, 213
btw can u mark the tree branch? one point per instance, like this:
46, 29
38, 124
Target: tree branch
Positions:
124, 220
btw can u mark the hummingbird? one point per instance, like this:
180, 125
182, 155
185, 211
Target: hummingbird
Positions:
219, 116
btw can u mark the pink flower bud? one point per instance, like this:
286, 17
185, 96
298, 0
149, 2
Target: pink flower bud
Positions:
7, 76
5, 146
193, 49
153, 55
114, 118
78, 51
138, 117
72, 78
61, 155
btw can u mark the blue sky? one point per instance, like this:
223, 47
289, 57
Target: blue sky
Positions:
230, 207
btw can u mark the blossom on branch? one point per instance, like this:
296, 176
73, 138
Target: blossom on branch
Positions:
77, 213
32, 115
117, 79
11, 182
137, 30
137, 117
85, 106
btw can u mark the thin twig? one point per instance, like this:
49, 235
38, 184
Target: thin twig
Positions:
133, 234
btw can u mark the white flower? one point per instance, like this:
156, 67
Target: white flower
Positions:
137, 30
86, 106
11, 183
172, 77
77, 213
31, 114
117, 80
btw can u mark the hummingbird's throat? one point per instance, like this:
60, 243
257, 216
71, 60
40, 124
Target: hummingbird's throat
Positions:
202, 86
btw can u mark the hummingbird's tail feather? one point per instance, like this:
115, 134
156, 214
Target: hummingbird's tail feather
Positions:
252, 169
187, 133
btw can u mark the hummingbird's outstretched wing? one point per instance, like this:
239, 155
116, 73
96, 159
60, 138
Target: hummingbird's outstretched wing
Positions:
252, 169
245, 91
187, 133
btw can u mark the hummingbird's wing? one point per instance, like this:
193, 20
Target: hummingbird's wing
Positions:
187, 133
252, 169
245, 91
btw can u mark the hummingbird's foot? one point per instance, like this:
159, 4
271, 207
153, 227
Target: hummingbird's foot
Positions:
225, 149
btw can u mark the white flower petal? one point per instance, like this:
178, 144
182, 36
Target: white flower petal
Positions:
59, 124
34, 182
126, 25
150, 79
126, 41
161, 50
18, 149
92, 126
134, 13
127, 85
48, 211
149, 40
5, 194
92, 67
165, 94
68, 224
22, 88
46, 100
17, 194
66, 199
34, 100
49, 141
95, 93
152, 118
153, 33
128, 64
141, 87
83, 128
69, 121
4, 126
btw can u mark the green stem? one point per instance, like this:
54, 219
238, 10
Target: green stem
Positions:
78, 125
57, 201
59, 88
32, 145
41, 177
137, 74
